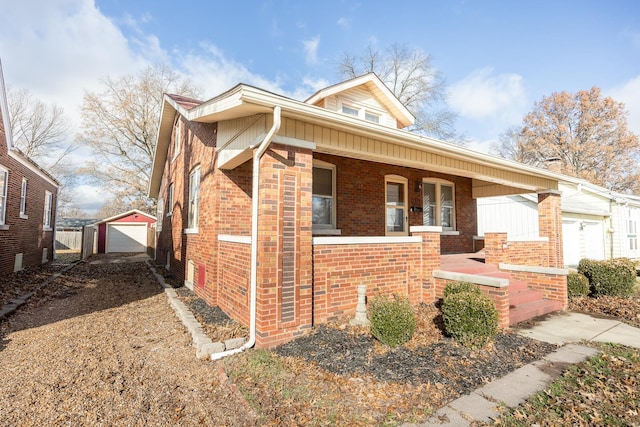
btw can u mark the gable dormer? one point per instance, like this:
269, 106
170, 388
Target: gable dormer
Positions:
367, 98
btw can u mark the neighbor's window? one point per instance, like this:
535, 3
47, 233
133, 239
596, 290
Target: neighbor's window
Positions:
48, 203
632, 235
23, 199
194, 198
324, 182
170, 200
4, 175
438, 204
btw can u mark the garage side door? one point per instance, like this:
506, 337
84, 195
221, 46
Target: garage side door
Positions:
127, 238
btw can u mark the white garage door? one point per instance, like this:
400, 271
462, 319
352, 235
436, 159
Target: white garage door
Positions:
127, 238
593, 240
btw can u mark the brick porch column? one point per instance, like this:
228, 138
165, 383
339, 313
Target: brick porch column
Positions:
495, 248
284, 304
430, 259
550, 224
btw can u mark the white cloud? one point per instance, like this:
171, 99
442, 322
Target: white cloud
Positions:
629, 94
344, 22
311, 50
88, 198
483, 95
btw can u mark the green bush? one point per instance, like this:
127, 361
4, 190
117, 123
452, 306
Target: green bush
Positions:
392, 320
470, 317
577, 285
614, 277
457, 287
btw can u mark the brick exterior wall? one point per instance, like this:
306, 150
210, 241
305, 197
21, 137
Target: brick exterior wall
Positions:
550, 225
498, 249
24, 235
360, 200
385, 268
234, 278
553, 286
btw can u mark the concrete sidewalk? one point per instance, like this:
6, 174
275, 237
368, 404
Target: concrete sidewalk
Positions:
564, 329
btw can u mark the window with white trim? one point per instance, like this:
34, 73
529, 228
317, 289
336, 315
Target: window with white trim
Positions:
194, 199
365, 113
177, 138
4, 177
324, 195
438, 203
170, 200
48, 204
632, 235
159, 213
23, 199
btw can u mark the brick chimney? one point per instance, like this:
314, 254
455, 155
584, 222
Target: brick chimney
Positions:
554, 164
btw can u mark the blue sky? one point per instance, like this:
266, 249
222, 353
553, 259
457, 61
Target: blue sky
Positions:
498, 57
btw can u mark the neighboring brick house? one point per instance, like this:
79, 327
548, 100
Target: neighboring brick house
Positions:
28, 197
274, 209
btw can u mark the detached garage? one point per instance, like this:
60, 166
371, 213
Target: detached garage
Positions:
126, 232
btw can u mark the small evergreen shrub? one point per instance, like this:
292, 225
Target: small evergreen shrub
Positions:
392, 320
457, 287
470, 317
577, 285
614, 277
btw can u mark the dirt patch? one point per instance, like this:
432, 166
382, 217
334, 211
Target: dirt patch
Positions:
101, 346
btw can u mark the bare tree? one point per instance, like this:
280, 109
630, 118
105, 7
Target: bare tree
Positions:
586, 132
42, 132
120, 124
39, 130
411, 76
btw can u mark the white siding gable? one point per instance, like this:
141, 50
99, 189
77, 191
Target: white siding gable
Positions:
362, 100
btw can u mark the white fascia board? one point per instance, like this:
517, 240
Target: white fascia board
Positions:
296, 109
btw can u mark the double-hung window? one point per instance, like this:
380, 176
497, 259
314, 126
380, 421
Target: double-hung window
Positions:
194, 199
4, 176
324, 189
170, 200
177, 138
438, 204
159, 214
48, 206
23, 199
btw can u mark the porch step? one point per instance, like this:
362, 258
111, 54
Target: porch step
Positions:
532, 309
522, 296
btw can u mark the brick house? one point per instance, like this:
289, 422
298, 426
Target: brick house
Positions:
28, 197
275, 210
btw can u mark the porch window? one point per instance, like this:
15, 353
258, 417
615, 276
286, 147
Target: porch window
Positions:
194, 199
323, 189
396, 205
4, 175
23, 199
48, 203
438, 204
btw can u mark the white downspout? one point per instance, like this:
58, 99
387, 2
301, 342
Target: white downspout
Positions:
257, 155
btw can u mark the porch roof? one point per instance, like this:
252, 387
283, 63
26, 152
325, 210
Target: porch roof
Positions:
336, 133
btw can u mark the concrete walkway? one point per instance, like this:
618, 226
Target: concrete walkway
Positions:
565, 329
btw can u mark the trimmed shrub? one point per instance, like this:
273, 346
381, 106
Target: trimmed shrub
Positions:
577, 285
392, 320
614, 277
457, 287
470, 317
